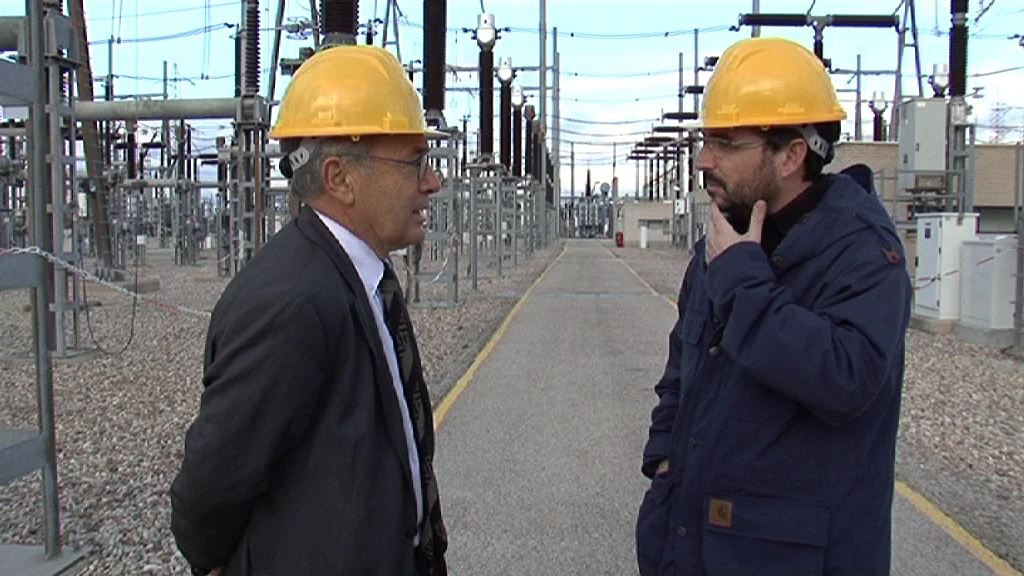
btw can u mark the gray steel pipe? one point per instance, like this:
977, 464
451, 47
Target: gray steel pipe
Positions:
191, 109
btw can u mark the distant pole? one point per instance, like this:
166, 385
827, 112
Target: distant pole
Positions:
572, 189
696, 71
543, 120
682, 83
556, 136
755, 31
857, 113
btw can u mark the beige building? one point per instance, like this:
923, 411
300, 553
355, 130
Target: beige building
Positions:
995, 182
655, 216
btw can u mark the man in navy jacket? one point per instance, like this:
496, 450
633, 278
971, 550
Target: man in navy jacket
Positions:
772, 446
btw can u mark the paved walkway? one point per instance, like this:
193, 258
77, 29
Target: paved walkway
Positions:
538, 457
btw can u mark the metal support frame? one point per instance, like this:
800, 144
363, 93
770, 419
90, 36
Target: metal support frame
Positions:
1018, 209
486, 192
435, 262
24, 451
962, 157
13, 193
61, 161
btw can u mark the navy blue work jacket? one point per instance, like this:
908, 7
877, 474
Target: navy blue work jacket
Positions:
779, 406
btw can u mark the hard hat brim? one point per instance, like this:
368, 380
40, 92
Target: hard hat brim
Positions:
278, 134
769, 122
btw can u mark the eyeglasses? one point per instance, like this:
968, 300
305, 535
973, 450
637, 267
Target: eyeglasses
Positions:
422, 163
719, 146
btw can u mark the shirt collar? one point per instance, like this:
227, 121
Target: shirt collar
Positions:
368, 265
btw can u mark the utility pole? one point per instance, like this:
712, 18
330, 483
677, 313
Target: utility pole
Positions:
755, 31
857, 112
542, 122
556, 156
696, 75
572, 189
682, 83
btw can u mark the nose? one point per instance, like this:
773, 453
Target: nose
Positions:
430, 184
705, 161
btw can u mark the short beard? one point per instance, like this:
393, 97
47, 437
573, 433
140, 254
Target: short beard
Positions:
762, 185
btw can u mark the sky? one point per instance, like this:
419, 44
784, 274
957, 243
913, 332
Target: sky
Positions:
619, 61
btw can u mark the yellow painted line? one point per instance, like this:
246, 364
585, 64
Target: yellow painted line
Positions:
642, 281
995, 563
998, 566
460, 386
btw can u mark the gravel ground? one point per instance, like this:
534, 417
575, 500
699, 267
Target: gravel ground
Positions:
961, 438
121, 416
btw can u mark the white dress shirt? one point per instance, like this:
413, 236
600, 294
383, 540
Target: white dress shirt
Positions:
371, 270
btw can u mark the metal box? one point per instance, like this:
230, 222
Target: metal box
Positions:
922, 144
987, 292
937, 282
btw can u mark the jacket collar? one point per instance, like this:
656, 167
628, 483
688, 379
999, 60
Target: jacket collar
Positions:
310, 225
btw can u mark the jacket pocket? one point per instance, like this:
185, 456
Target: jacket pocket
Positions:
652, 526
761, 537
691, 333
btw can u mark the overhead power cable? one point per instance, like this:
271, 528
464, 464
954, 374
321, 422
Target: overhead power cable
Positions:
162, 12
606, 122
177, 36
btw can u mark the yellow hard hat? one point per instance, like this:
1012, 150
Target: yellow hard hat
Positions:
353, 91
761, 82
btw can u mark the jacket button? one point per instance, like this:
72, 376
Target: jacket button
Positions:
681, 531
714, 350
693, 442
777, 261
805, 218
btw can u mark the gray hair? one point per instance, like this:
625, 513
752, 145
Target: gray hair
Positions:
305, 182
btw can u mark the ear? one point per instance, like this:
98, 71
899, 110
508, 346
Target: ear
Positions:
793, 157
338, 180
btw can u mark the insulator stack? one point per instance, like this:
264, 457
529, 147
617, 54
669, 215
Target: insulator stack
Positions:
339, 16
486, 102
252, 47
435, 25
958, 49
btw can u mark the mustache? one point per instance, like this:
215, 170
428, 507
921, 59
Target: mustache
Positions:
710, 178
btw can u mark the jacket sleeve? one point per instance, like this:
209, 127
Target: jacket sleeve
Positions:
659, 443
832, 359
264, 375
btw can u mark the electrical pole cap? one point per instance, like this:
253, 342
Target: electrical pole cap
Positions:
505, 72
939, 80
517, 96
486, 34
878, 102
530, 113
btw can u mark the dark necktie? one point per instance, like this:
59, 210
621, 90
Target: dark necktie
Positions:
433, 537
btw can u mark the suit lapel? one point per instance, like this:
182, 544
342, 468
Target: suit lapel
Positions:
313, 228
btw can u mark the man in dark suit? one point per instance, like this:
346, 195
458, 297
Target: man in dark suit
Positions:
312, 451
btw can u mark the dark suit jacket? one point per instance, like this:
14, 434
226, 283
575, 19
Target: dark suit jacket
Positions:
297, 463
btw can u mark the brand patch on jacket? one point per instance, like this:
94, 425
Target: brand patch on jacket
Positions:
893, 256
720, 513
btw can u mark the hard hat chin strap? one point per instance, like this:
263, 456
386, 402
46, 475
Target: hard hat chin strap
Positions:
300, 156
816, 143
